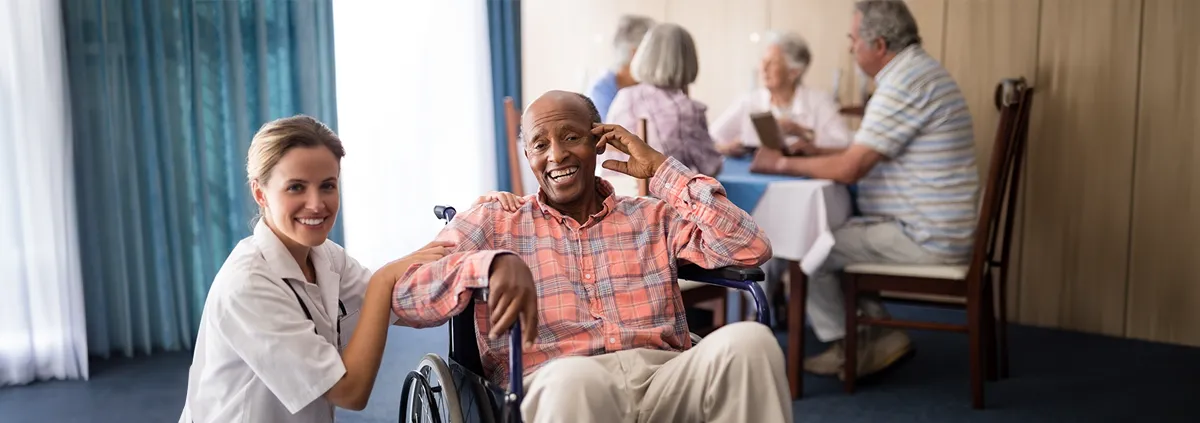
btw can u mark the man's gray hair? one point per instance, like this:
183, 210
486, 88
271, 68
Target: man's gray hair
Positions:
630, 31
666, 58
889, 20
794, 47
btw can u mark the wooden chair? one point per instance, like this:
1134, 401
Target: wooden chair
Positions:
643, 185
512, 118
974, 282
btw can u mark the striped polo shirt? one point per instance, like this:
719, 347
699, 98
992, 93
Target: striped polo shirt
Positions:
928, 181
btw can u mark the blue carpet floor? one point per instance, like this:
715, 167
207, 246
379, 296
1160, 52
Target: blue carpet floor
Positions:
1056, 377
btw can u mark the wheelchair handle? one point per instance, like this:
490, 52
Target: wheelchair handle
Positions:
516, 369
444, 212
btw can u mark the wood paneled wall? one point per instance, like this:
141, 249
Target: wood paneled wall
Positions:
1105, 242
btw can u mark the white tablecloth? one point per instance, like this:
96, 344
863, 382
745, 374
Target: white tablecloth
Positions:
798, 216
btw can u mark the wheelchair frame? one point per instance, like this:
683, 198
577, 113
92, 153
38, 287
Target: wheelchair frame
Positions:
461, 401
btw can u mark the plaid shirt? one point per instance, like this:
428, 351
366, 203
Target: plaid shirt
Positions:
607, 285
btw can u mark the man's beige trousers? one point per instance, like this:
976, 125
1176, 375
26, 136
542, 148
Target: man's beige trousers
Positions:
736, 374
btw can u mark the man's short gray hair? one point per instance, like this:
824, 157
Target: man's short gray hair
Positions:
889, 20
794, 47
666, 58
630, 31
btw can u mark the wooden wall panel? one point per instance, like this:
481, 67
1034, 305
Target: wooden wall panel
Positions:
985, 41
931, 23
566, 45
727, 36
1164, 296
1076, 232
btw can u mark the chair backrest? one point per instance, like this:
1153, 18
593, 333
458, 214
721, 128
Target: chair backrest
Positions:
643, 132
512, 118
994, 229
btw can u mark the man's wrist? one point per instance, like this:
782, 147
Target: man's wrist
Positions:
657, 163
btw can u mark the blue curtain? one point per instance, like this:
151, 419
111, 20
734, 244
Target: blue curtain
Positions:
504, 31
166, 95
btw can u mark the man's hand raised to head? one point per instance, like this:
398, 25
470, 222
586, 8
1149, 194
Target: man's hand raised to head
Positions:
643, 160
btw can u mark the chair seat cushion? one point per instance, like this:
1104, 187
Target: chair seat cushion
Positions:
685, 285
953, 272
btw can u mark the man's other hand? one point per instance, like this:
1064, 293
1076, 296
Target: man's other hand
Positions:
512, 295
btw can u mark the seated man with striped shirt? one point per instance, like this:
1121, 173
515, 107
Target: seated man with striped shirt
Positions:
913, 159
593, 274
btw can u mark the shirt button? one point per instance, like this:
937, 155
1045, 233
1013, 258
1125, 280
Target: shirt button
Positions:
612, 340
587, 275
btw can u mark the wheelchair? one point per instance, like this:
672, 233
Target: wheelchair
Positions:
454, 390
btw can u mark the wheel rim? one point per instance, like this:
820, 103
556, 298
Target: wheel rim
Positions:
418, 403
429, 394
441, 382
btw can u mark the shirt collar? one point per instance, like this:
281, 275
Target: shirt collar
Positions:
279, 259
603, 187
901, 56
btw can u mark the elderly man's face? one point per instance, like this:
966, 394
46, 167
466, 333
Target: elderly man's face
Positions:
868, 54
774, 70
560, 147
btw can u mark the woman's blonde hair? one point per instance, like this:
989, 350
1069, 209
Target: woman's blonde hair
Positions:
276, 137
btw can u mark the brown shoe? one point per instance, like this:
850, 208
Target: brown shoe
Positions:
879, 350
827, 363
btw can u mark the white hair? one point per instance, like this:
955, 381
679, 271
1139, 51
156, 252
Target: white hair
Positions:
795, 49
666, 58
630, 31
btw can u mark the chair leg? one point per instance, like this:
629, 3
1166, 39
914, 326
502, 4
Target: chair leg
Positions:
850, 340
989, 334
720, 307
974, 332
744, 308
1002, 324
798, 284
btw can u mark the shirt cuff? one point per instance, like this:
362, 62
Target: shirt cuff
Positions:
671, 178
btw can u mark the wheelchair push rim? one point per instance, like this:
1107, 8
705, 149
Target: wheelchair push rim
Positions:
429, 394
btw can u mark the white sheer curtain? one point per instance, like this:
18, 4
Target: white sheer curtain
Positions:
42, 332
415, 114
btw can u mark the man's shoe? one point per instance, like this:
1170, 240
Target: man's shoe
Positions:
827, 363
881, 349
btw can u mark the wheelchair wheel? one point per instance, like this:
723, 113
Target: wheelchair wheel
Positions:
429, 394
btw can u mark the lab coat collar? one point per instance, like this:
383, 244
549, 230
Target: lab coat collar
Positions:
280, 260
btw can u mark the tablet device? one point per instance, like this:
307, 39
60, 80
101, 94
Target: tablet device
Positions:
769, 133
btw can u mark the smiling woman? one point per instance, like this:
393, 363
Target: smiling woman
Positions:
297, 197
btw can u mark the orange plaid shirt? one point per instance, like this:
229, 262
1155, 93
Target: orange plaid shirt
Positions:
606, 285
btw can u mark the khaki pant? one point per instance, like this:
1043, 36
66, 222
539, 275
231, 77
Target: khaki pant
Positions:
736, 374
858, 241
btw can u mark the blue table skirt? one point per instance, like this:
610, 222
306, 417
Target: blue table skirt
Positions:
746, 189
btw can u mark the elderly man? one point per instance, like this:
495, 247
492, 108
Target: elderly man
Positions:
914, 162
594, 274
808, 116
630, 30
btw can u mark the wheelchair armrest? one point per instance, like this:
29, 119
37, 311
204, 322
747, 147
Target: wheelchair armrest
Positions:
696, 273
742, 278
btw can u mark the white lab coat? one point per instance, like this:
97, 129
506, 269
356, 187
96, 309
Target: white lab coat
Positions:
258, 356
